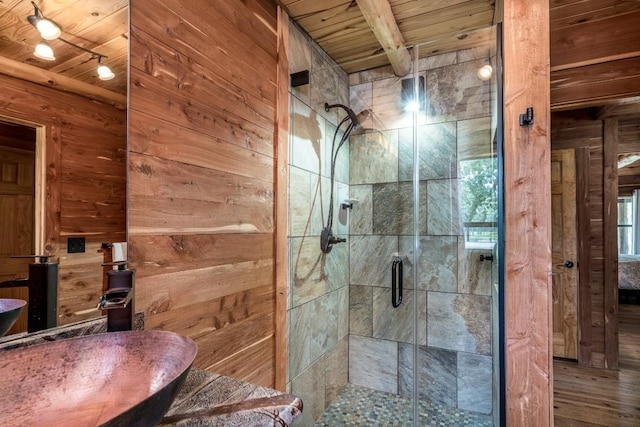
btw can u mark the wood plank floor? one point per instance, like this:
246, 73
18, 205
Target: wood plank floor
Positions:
600, 397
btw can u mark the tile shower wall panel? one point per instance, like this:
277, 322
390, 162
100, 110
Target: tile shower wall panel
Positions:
370, 259
474, 382
373, 363
443, 207
437, 262
318, 282
437, 157
436, 376
459, 322
308, 130
361, 216
453, 287
361, 310
456, 93
397, 325
393, 208
373, 157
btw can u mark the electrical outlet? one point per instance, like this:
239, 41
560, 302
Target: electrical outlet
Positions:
75, 245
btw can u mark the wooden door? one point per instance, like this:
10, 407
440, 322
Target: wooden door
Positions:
17, 189
564, 250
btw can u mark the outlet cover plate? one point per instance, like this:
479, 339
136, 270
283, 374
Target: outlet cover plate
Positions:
75, 245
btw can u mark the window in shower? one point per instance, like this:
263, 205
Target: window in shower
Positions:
479, 202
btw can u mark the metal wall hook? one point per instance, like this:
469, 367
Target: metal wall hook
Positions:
526, 119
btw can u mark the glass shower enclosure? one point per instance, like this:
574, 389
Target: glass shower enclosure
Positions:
414, 291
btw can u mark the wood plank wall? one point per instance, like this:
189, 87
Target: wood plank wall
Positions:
598, 334
527, 195
629, 142
85, 183
202, 177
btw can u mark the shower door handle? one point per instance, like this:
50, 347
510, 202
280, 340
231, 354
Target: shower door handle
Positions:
396, 282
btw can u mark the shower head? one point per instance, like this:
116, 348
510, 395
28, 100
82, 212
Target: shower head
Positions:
350, 113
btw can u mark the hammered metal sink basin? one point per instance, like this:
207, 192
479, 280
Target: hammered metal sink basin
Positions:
118, 378
10, 309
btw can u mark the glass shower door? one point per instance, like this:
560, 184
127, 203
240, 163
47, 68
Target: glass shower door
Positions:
421, 211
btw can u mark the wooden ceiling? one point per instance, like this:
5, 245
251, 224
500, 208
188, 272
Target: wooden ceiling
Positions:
97, 25
595, 44
341, 29
595, 56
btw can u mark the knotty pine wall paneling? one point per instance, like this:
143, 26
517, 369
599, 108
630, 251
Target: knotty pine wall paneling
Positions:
85, 167
528, 367
202, 226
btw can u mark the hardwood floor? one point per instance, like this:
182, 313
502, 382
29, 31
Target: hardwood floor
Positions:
600, 397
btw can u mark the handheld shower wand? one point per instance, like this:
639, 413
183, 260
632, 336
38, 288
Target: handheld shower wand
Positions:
327, 239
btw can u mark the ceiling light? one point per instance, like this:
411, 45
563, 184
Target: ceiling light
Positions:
47, 28
485, 72
104, 72
44, 51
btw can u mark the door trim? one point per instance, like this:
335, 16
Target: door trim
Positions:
40, 179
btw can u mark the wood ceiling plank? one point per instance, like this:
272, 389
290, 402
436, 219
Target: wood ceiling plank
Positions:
451, 43
588, 11
594, 42
300, 8
595, 84
452, 27
74, 17
456, 14
339, 29
409, 9
330, 16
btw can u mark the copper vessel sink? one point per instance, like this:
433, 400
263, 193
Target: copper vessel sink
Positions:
118, 378
10, 309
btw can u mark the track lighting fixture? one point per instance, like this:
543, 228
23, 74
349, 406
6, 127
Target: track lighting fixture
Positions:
49, 30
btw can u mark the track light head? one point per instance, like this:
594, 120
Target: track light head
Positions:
48, 29
44, 51
104, 72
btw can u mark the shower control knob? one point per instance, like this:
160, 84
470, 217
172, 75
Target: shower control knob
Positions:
486, 257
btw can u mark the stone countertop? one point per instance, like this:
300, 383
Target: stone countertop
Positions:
208, 399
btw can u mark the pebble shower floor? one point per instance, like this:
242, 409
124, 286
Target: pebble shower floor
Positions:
359, 406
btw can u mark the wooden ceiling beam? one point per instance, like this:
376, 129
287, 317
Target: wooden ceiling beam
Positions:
380, 18
57, 81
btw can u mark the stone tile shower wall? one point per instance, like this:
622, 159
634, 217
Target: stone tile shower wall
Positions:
319, 307
454, 289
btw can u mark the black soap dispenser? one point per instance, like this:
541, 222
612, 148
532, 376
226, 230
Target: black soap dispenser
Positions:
118, 299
